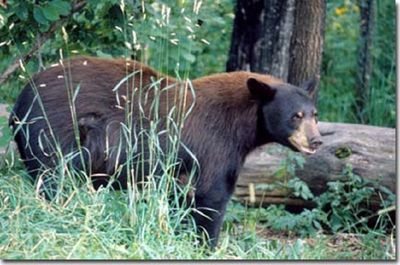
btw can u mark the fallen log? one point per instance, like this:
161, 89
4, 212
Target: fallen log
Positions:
369, 150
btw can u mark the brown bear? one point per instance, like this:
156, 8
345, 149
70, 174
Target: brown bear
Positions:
83, 102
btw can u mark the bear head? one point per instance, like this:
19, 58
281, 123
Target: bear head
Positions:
287, 114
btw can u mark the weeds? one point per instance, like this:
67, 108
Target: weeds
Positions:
343, 207
340, 219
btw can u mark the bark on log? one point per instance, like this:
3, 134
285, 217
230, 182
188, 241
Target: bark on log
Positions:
369, 149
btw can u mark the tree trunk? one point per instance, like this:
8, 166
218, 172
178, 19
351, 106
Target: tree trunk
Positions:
246, 33
261, 37
273, 47
281, 38
369, 150
364, 61
306, 44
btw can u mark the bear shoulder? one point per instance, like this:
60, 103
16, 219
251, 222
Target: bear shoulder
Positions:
231, 84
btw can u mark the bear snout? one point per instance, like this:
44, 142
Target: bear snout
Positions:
316, 142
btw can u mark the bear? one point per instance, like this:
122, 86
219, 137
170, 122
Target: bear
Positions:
228, 116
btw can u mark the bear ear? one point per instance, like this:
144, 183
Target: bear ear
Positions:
260, 90
311, 87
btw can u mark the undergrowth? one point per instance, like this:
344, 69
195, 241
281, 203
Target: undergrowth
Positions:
98, 225
102, 224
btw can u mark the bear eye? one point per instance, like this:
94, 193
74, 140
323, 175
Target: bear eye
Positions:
298, 116
316, 116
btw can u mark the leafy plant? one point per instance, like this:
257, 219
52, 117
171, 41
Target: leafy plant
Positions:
288, 165
347, 203
300, 189
343, 207
286, 173
307, 223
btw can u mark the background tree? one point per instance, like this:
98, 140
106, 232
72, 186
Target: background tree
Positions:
306, 45
282, 38
341, 65
261, 36
364, 60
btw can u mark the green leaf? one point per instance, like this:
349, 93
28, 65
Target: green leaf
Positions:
188, 56
336, 222
280, 173
63, 7
22, 12
317, 224
50, 12
92, 2
39, 16
44, 27
385, 190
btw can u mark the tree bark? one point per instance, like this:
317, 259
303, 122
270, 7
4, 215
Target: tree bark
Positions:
281, 38
369, 149
247, 27
364, 61
306, 44
261, 37
275, 38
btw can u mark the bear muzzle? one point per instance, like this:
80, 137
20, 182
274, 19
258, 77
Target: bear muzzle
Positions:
306, 138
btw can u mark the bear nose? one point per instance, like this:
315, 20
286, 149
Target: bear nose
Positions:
315, 142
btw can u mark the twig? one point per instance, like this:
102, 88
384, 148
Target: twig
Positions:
365, 219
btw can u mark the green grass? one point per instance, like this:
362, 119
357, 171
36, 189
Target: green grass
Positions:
101, 229
102, 224
98, 225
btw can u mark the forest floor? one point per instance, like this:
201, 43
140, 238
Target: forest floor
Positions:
338, 246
